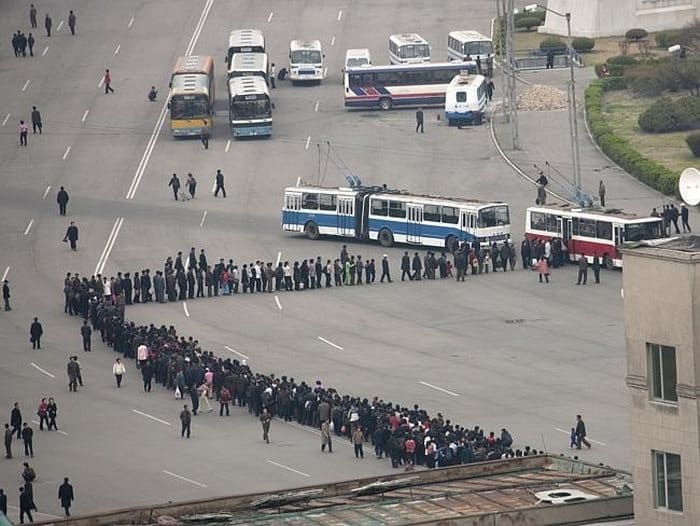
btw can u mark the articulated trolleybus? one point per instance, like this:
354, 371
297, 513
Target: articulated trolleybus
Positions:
590, 232
392, 216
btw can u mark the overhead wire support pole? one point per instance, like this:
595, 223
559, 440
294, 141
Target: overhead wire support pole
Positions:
510, 59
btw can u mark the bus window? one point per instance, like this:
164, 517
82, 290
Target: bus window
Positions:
461, 96
397, 209
309, 202
640, 231
292, 201
604, 230
552, 223
379, 207
431, 213
327, 202
537, 221
586, 227
450, 215
493, 216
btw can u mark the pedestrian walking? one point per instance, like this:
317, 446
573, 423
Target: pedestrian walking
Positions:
265, 419
8, 441
48, 22
385, 269
23, 44
6, 294
118, 370
596, 267
73, 371
419, 120
326, 437
205, 134
175, 184
3, 503
16, 420
32, 16
107, 80
601, 193
28, 439
86, 333
224, 401
36, 120
581, 433
30, 43
186, 421
191, 184
28, 473
273, 71
72, 236
542, 267
62, 199
219, 184
43, 412
35, 333
22, 130
358, 439
52, 412
684, 218
490, 89
66, 496
582, 270
71, 22
26, 504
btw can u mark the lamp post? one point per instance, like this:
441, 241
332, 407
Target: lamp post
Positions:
573, 118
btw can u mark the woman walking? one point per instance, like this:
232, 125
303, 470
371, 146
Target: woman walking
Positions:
543, 268
52, 411
43, 412
119, 371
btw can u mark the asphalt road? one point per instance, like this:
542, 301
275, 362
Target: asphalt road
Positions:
499, 350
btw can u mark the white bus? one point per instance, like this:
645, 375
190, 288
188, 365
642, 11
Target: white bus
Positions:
244, 41
356, 58
408, 48
465, 99
470, 45
250, 109
250, 65
306, 61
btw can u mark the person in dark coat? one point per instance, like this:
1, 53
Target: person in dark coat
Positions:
16, 420
48, 22
596, 267
175, 183
582, 270
525, 252
6, 294
505, 255
86, 333
66, 496
62, 200
35, 333
3, 502
406, 267
28, 439
417, 267
72, 235
385, 269
25, 504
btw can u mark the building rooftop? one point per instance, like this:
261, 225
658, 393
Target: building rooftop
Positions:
681, 248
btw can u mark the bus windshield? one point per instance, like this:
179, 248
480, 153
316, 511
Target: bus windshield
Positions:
493, 216
357, 62
306, 56
189, 107
479, 47
251, 109
641, 231
415, 51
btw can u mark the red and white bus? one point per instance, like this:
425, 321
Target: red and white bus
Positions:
589, 232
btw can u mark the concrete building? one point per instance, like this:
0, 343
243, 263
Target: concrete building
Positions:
662, 337
602, 18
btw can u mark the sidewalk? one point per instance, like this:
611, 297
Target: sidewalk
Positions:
544, 137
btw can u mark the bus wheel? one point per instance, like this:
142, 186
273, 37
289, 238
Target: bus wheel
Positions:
450, 243
385, 104
311, 230
608, 262
386, 238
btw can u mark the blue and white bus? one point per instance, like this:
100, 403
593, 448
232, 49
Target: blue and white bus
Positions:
465, 100
393, 216
250, 110
401, 85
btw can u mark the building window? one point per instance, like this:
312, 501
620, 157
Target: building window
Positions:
668, 488
661, 363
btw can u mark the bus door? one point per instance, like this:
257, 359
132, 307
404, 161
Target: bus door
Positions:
346, 216
619, 236
293, 207
565, 229
414, 222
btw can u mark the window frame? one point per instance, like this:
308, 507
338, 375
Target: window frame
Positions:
658, 389
661, 479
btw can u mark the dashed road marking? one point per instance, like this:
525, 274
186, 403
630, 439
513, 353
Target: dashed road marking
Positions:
279, 257
340, 15
330, 343
269, 18
29, 227
277, 300
228, 145
116, 51
85, 115
46, 50
184, 306
288, 468
234, 351
438, 388
60, 25
151, 417
308, 141
66, 153
46, 192
185, 479
131, 22
316, 105
43, 371
4, 121
333, 41
4, 274
25, 85
587, 438
204, 217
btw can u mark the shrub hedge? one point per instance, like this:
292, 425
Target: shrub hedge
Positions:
693, 142
617, 148
647, 80
667, 115
528, 22
636, 34
583, 44
666, 39
552, 43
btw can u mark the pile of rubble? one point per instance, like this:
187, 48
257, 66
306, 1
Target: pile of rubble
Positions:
542, 98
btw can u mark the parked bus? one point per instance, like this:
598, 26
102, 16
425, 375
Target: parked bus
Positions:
191, 101
408, 48
405, 85
465, 99
306, 61
244, 41
468, 45
590, 232
250, 65
250, 110
355, 58
388, 216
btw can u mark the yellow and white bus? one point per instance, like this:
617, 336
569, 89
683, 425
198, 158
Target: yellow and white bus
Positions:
191, 101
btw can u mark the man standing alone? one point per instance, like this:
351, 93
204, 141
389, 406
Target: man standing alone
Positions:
265, 419
219, 184
186, 421
62, 200
419, 120
36, 120
86, 333
28, 439
6, 294
601, 193
71, 22
16, 420
66, 496
35, 332
48, 22
582, 270
32, 16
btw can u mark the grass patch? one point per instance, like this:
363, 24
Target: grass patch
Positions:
621, 110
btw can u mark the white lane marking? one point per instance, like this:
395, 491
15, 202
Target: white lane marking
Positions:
4, 274
333, 41
204, 217
316, 106
228, 145
60, 25
46, 50
65, 154
85, 115
587, 438
102, 80
116, 51
277, 300
151, 417
131, 22
234, 351
7, 118
340, 15
269, 18
29, 227
185, 479
44, 371
298, 180
60, 432
213, 186
109, 245
184, 306
279, 257
25, 85
46, 192
198, 27
308, 141
438, 388
330, 343
325, 72
288, 468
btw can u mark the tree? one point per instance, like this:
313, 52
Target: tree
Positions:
686, 73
